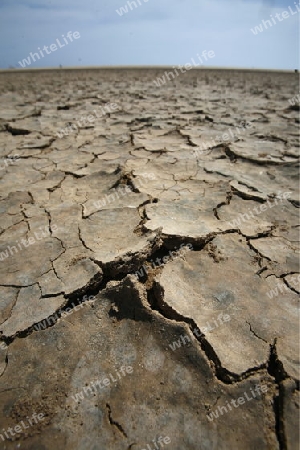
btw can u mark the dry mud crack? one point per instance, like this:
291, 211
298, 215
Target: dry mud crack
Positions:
149, 286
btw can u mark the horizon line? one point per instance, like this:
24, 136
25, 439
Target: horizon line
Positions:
134, 67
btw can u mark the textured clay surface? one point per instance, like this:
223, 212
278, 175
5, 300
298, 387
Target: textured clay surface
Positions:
149, 260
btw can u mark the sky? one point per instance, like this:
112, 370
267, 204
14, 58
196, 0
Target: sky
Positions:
155, 32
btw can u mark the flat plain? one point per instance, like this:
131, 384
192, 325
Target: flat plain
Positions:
149, 259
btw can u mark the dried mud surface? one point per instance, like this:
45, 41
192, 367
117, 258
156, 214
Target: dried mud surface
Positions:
130, 253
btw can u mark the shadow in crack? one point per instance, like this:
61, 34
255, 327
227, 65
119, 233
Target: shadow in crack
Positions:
127, 302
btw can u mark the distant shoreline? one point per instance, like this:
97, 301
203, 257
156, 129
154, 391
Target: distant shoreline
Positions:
83, 68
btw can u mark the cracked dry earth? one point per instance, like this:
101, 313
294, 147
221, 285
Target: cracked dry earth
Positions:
195, 329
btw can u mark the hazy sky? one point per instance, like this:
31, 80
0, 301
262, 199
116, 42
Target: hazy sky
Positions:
157, 32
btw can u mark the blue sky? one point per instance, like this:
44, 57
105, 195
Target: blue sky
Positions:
157, 32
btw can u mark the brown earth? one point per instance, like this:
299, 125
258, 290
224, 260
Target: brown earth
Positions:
149, 260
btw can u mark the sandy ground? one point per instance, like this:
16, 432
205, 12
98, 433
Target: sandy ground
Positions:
149, 259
